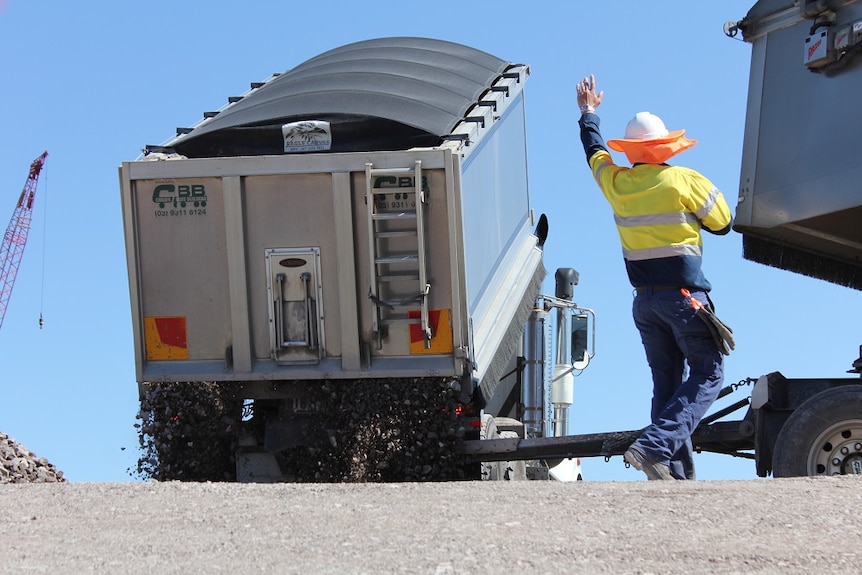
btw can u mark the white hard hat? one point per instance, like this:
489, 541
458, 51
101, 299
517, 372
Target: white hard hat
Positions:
649, 141
645, 126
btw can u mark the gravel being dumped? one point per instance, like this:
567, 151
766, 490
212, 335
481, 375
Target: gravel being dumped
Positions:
369, 431
20, 465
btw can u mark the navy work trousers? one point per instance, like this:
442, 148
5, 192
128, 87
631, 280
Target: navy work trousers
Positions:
687, 373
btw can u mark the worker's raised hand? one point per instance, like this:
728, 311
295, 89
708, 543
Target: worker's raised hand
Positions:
588, 99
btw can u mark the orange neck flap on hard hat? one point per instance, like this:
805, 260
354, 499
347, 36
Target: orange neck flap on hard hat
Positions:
653, 152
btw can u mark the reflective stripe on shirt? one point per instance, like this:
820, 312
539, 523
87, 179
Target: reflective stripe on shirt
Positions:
662, 252
598, 171
656, 219
708, 204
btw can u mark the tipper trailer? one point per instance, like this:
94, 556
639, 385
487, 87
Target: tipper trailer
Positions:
367, 232
362, 218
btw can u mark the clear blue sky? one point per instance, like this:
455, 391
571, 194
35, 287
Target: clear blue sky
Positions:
94, 82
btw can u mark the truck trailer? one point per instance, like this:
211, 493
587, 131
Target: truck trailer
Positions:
353, 235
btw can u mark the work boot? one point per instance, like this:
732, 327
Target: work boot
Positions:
653, 469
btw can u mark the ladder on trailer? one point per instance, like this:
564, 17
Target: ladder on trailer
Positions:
396, 247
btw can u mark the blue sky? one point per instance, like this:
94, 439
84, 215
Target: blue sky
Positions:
94, 82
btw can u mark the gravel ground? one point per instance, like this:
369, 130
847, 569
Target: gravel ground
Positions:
764, 526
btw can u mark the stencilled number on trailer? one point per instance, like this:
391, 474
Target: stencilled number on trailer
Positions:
175, 213
398, 200
179, 200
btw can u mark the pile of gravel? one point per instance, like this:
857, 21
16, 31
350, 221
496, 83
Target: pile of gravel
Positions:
369, 431
20, 465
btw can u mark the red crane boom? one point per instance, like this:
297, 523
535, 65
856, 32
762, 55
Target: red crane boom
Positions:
15, 239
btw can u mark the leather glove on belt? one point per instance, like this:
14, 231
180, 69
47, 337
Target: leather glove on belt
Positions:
721, 332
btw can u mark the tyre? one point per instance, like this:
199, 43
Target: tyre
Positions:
490, 470
500, 470
513, 470
823, 436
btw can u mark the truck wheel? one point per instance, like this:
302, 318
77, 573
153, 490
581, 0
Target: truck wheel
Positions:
490, 470
513, 470
823, 436
500, 470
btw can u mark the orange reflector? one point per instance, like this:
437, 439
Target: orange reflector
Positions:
165, 338
441, 329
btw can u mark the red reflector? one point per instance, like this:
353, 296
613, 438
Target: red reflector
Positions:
475, 423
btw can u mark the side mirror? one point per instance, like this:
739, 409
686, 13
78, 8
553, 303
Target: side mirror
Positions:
580, 341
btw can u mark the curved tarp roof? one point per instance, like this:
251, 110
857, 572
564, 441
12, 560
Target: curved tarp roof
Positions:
417, 89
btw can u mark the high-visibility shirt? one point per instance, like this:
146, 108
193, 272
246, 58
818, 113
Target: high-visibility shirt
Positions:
659, 211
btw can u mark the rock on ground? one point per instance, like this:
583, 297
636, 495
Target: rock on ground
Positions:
20, 465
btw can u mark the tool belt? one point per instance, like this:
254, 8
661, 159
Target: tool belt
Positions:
644, 290
721, 332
